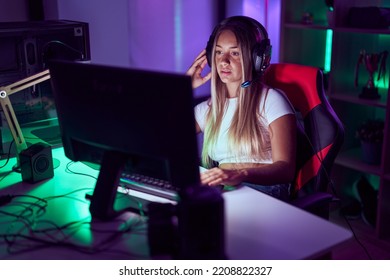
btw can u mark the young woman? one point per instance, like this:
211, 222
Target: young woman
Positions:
249, 129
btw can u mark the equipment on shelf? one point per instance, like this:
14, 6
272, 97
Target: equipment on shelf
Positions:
373, 62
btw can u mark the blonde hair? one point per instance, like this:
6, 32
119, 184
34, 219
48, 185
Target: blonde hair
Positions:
248, 134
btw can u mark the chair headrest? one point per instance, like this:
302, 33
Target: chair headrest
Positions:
302, 84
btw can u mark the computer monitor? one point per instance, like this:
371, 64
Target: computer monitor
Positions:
118, 116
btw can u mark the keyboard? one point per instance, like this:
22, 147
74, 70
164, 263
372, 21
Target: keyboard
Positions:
149, 185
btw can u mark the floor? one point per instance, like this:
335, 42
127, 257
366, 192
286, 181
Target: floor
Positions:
365, 245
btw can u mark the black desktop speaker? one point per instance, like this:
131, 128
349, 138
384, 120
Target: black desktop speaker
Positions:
194, 229
201, 225
36, 163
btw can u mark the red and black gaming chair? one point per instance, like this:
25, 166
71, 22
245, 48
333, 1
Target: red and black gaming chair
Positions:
320, 133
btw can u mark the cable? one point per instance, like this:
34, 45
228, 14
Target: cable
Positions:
302, 129
16, 245
331, 185
25, 233
138, 210
8, 154
353, 232
46, 49
66, 195
24, 229
357, 239
68, 170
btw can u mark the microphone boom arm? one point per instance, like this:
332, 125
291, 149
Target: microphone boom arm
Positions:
8, 110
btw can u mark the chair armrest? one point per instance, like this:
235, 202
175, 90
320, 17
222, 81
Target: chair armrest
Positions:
316, 203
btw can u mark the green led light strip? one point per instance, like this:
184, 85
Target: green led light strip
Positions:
328, 50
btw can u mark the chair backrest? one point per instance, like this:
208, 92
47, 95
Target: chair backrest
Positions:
320, 132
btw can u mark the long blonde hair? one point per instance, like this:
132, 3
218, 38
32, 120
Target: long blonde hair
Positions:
248, 134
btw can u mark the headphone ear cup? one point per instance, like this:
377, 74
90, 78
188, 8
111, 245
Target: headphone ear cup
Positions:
261, 56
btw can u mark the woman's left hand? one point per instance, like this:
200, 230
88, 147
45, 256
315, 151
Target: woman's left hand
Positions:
217, 176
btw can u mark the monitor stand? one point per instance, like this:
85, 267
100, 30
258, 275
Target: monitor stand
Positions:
103, 197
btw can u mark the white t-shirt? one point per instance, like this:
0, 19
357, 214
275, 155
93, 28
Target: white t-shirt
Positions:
273, 107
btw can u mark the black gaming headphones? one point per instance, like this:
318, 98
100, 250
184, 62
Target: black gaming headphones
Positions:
261, 51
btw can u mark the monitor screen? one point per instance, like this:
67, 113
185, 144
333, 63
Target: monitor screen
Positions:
120, 117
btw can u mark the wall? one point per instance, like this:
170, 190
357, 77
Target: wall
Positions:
108, 26
169, 35
13, 10
153, 34
158, 35
148, 34
267, 12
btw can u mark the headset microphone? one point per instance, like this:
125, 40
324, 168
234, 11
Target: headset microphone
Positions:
246, 84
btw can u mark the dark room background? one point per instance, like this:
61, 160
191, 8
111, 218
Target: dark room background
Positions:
151, 34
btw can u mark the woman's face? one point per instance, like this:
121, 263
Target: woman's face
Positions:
228, 58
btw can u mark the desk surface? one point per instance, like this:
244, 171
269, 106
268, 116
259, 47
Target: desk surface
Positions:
59, 227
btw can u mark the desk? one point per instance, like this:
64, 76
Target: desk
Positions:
257, 225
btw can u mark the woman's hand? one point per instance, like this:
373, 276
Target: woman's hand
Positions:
195, 71
217, 176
